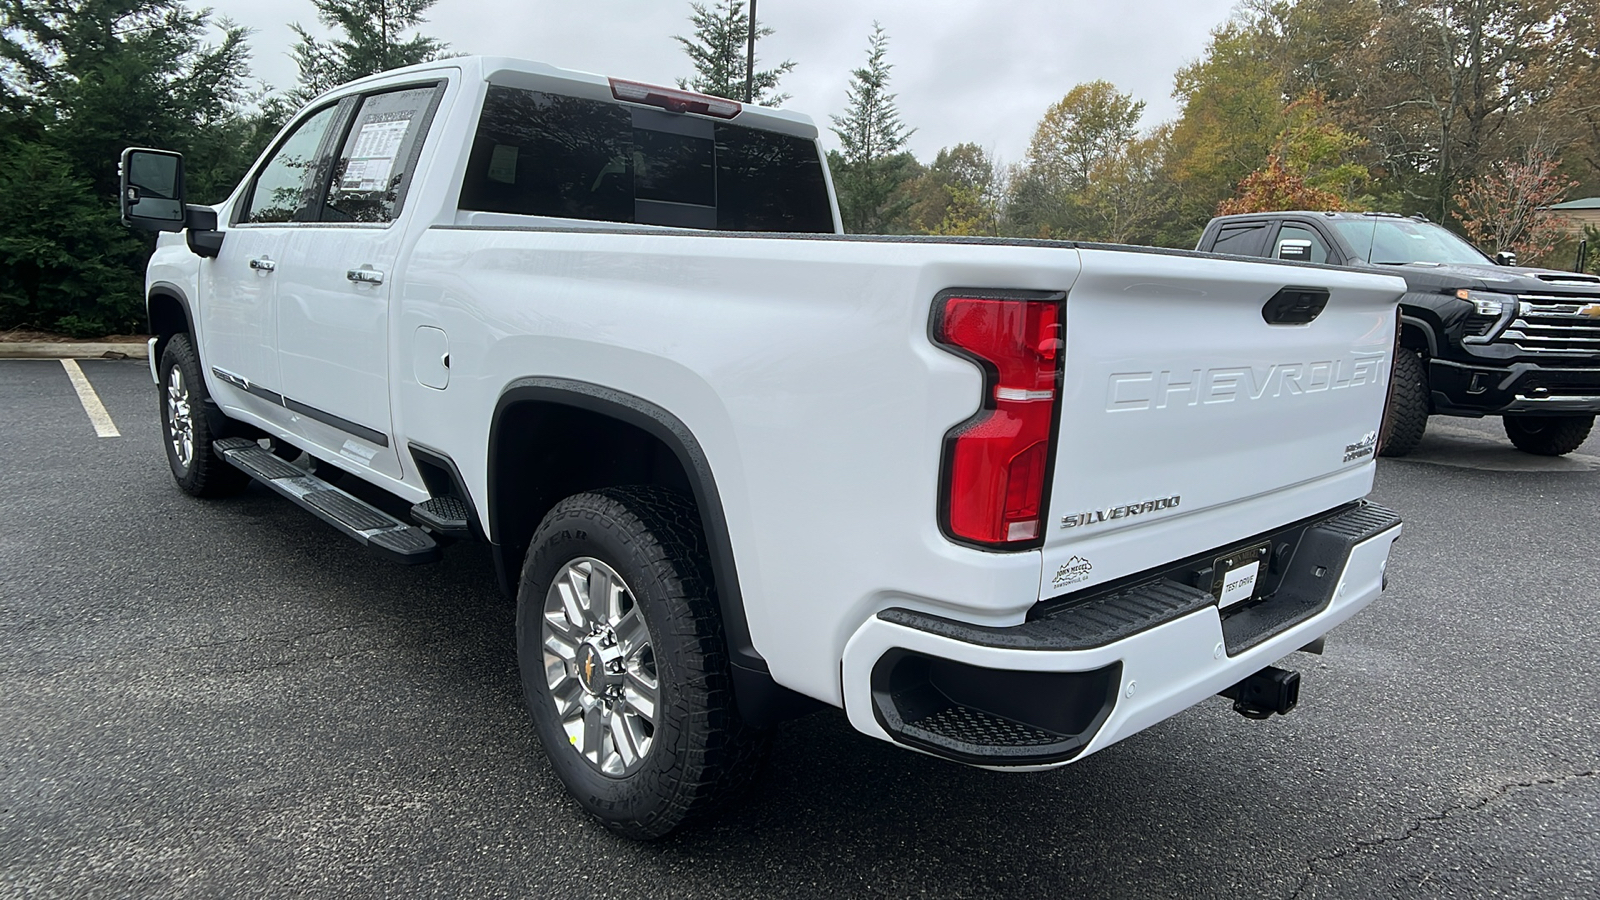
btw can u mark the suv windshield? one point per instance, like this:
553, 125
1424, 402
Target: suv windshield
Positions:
1395, 242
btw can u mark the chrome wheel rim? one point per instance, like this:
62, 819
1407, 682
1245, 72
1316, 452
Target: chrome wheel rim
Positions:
600, 667
180, 427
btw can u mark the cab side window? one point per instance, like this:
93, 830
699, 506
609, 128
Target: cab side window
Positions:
1299, 243
1243, 239
282, 189
380, 152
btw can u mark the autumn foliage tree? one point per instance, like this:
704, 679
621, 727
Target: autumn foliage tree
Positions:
1081, 141
1273, 187
1507, 208
1310, 166
958, 195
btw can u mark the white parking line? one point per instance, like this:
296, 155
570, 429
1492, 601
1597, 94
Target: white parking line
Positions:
98, 416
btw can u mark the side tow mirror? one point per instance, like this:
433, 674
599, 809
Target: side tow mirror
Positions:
152, 199
1505, 258
152, 190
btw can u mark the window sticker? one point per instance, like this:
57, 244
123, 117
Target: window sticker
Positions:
503, 164
372, 159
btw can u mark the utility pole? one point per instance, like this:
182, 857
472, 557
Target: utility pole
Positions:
750, 59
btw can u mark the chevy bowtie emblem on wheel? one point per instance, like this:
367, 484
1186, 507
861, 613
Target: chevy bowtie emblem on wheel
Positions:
588, 668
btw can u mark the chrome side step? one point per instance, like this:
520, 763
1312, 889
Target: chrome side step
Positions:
369, 526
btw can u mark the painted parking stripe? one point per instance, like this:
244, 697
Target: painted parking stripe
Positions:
98, 416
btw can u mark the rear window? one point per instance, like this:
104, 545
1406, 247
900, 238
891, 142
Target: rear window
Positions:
541, 154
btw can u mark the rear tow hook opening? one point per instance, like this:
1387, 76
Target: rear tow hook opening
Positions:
1271, 690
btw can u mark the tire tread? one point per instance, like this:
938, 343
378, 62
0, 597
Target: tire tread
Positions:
1408, 404
719, 752
1552, 436
209, 475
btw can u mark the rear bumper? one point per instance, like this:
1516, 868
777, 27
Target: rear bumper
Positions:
1522, 388
1057, 688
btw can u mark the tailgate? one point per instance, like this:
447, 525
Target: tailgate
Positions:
1188, 421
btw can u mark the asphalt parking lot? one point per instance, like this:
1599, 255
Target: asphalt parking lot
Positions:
228, 699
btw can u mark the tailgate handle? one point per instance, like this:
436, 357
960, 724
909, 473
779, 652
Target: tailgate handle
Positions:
1295, 306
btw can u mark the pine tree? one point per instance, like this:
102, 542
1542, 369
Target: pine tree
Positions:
873, 166
717, 50
373, 42
98, 75
80, 80
871, 129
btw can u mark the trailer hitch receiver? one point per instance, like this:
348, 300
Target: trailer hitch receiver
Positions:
1271, 690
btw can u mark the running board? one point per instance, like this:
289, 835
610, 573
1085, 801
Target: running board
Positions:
447, 516
375, 529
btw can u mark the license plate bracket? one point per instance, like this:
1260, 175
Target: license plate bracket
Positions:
1237, 577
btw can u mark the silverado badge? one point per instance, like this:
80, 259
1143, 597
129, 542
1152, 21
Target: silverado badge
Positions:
1096, 516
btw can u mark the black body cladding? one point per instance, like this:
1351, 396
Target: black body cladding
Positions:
761, 700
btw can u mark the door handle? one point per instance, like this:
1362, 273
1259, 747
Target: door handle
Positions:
365, 275
263, 264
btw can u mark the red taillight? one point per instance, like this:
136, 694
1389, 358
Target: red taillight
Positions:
673, 99
997, 462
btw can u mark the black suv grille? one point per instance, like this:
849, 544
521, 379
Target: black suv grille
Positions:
1567, 326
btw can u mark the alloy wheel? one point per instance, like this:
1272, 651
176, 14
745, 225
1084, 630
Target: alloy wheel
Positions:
180, 428
600, 667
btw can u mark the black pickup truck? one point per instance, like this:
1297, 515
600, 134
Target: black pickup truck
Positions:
1486, 338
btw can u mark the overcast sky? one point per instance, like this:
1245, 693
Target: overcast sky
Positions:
982, 71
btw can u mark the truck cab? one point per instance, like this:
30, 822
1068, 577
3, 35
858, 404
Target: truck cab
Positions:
1482, 336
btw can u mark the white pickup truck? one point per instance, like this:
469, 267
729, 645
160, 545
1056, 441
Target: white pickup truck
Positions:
1003, 502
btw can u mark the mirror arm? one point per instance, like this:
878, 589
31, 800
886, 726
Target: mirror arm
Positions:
200, 223
203, 218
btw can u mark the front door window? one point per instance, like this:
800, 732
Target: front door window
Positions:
283, 188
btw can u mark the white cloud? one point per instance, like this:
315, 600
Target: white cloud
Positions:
964, 70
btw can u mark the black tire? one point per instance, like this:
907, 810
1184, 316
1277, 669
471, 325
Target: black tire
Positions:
700, 751
1548, 435
183, 396
1407, 415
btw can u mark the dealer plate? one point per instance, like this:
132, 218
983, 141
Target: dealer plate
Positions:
1237, 577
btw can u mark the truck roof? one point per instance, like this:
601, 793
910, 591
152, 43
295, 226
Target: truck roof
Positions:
1327, 214
543, 76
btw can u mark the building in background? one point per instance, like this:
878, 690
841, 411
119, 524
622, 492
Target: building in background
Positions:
1575, 214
